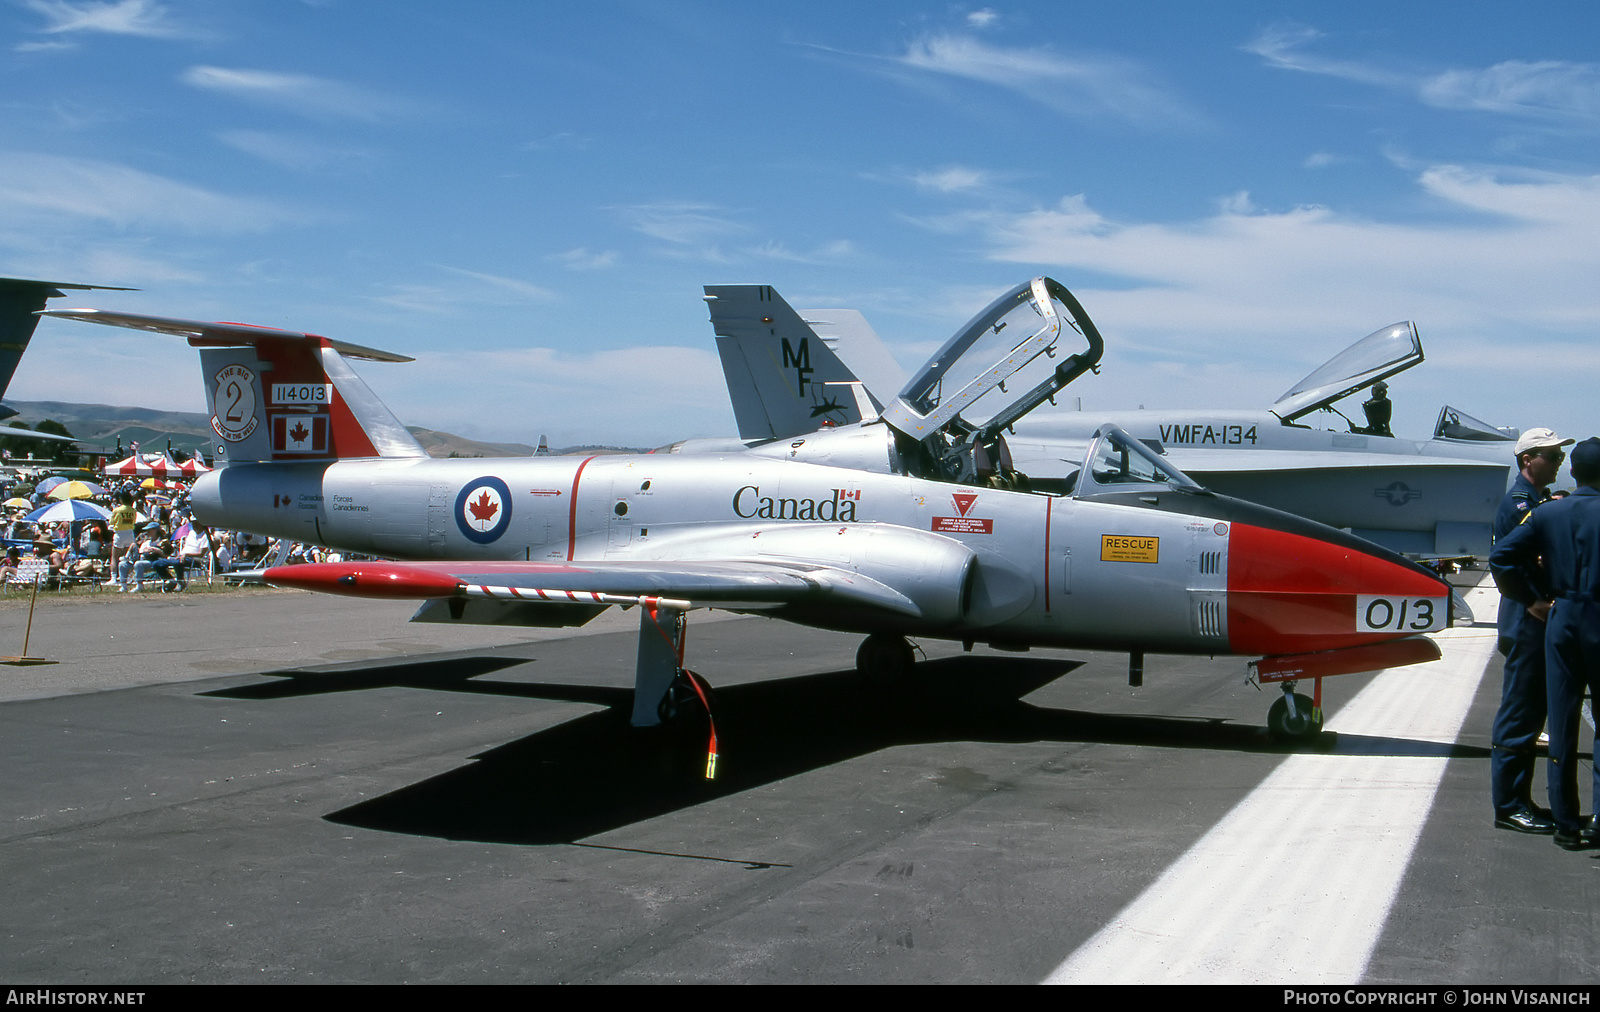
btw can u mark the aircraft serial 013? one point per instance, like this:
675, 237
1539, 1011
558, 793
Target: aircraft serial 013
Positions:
1133, 557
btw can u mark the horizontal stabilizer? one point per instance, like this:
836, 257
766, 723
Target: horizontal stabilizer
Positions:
219, 335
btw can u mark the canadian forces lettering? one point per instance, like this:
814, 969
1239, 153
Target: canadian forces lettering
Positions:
1200, 434
749, 503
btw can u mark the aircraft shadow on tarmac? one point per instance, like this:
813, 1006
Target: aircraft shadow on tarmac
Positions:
595, 773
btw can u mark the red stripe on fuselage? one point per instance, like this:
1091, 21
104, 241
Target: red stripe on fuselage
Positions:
572, 510
1047, 504
1288, 593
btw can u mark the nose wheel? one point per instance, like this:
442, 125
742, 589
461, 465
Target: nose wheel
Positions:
1294, 717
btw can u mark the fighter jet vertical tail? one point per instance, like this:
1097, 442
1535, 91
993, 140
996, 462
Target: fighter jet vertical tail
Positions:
280, 395
782, 378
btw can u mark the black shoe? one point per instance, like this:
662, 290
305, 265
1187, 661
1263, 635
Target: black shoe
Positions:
1586, 838
1527, 821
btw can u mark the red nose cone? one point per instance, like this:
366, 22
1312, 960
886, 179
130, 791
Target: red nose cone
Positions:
1289, 593
364, 579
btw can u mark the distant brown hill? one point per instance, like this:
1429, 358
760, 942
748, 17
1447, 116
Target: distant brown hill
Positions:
104, 425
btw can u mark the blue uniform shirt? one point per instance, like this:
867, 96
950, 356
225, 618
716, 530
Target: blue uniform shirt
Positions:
1516, 505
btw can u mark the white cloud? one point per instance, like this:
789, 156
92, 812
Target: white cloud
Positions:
1080, 86
1556, 89
1282, 47
291, 151
984, 18
826, 253
124, 17
516, 286
1549, 88
953, 179
585, 259
1509, 276
1320, 160
680, 222
51, 188
315, 97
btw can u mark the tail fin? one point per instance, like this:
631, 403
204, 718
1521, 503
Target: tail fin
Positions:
849, 336
280, 395
20, 302
782, 378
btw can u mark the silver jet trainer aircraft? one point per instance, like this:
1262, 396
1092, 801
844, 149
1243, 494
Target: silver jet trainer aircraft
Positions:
1425, 497
1136, 557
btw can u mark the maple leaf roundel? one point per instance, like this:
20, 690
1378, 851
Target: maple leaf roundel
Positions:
483, 509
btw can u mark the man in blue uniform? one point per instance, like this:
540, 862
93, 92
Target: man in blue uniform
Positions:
1559, 544
1522, 695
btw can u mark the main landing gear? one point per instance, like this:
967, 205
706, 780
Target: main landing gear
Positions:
885, 660
666, 695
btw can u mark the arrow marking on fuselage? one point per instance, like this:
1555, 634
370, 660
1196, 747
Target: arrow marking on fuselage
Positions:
1295, 883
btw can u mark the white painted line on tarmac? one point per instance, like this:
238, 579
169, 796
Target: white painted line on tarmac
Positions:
1295, 883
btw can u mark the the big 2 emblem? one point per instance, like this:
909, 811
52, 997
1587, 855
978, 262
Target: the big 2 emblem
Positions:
483, 510
234, 403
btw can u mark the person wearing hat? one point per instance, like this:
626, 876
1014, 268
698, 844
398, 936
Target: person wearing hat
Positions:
1550, 564
1522, 695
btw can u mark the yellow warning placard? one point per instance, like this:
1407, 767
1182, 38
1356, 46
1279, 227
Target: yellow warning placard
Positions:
1129, 548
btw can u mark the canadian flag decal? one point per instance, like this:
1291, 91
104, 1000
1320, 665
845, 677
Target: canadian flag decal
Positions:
299, 433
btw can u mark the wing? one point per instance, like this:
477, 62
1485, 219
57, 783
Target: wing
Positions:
217, 335
734, 585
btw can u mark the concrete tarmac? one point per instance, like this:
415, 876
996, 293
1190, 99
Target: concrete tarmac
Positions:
270, 786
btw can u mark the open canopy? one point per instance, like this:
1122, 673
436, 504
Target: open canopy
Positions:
1377, 356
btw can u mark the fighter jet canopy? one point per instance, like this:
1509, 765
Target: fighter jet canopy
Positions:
1014, 340
1377, 356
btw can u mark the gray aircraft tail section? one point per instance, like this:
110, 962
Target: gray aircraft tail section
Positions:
20, 302
849, 336
280, 395
782, 377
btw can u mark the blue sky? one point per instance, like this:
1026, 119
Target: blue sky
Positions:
528, 197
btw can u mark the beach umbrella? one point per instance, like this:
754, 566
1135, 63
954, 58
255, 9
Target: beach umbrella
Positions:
76, 490
18, 503
68, 509
49, 483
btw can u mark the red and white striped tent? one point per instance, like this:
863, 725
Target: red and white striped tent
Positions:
156, 466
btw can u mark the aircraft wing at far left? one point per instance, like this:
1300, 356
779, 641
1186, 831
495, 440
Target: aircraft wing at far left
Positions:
21, 300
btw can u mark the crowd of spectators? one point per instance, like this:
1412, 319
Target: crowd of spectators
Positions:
149, 539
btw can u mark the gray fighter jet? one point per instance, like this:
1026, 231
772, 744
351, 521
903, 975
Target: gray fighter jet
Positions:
1425, 497
939, 541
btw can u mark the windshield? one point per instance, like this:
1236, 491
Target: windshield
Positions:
1377, 356
1116, 462
1457, 424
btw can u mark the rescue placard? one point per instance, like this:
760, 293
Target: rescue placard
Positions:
1129, 548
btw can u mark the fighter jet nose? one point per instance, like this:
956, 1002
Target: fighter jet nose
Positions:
1291, 591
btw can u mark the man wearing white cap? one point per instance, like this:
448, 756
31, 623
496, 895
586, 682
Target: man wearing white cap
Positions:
1522, 696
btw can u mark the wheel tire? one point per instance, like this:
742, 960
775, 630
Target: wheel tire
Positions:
885, 660
1297, 728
